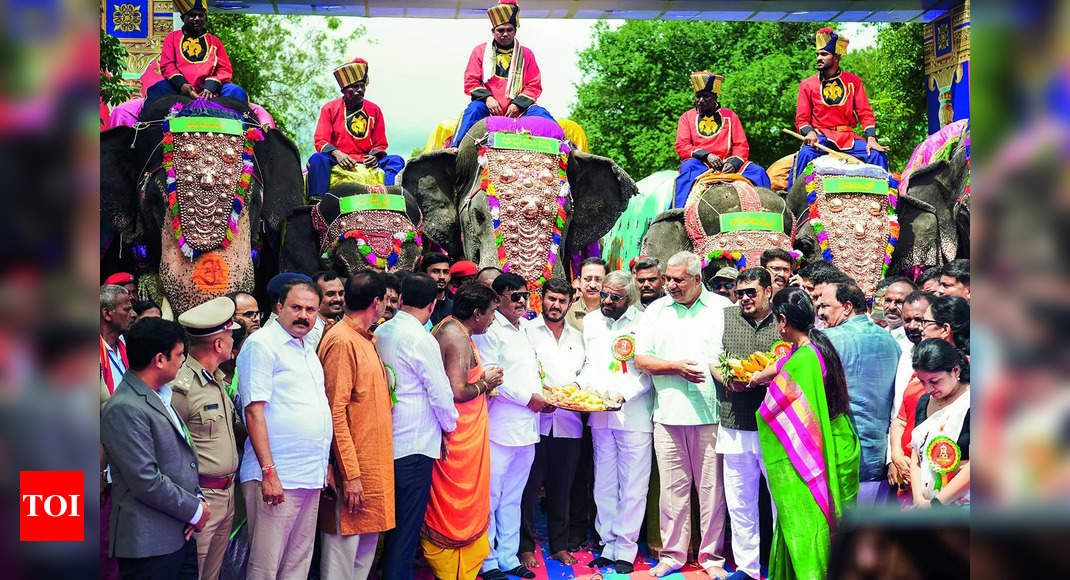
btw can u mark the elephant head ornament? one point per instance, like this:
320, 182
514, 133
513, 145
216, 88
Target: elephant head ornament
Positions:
355, 227
199, 183
516, 196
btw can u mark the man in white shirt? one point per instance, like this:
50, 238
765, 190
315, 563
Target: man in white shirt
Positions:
896, 289
623, 445
284, 467
514, 424
559, 349
677, 334
424, 410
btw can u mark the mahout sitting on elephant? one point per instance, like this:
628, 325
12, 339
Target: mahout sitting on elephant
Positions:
522, 198
194, 189
352, 228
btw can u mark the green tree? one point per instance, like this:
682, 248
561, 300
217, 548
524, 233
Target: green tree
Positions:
112, 64
284, 63
894, 73
636, 85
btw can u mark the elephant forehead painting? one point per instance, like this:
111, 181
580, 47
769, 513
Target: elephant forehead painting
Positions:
528, 201
851, 209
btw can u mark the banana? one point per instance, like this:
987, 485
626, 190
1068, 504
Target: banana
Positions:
750, 366
761, 358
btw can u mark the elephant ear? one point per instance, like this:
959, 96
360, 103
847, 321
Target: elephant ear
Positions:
118, 185
431, 178
300, 248
279, 164
600, 193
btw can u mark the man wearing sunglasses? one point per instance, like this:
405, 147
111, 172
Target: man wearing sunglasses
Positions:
749, 327
623, 447
724, 282
514, 423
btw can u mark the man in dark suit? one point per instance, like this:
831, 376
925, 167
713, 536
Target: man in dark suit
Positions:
157, 502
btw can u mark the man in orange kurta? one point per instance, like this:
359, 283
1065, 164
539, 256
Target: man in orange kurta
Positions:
363, 450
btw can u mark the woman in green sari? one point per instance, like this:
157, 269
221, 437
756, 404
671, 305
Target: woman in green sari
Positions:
808, 444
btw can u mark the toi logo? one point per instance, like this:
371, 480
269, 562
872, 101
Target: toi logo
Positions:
51, 506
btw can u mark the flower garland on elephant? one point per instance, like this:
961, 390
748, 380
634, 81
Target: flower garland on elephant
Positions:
486, 185
819, 226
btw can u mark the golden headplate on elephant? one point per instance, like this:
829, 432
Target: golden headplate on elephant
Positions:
742, 236
851, 208
522, 164
376, 221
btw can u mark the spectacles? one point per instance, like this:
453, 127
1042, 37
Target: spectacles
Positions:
747, 292
726, 285
611, 296
519, 296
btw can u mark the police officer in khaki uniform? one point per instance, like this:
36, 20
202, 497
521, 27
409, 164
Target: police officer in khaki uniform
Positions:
200, 397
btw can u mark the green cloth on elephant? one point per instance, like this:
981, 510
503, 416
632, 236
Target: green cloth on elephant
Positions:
794, 418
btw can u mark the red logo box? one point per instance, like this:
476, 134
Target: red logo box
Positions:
51, 506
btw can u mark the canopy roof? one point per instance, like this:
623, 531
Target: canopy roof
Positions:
754, 10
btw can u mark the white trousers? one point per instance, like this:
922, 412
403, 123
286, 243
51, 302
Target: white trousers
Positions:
509, 469
347, 557
621, 476
742, 474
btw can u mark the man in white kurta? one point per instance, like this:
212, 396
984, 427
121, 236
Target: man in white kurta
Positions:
623, 444
514, 423
559, 349
676, 336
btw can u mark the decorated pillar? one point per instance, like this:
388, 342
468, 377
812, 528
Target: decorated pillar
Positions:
947, 67
141, 25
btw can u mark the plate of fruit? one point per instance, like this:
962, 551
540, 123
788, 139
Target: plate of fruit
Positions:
573, 398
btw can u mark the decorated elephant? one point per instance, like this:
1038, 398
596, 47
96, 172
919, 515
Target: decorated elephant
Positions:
726, 221
515, 195
353, 228
929, 216
194, 189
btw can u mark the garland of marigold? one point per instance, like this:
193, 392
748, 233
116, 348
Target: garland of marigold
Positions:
823, 237
252, 134
369, 254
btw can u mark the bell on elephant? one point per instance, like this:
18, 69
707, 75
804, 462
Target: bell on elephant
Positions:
198, 216
522, 197
353, 228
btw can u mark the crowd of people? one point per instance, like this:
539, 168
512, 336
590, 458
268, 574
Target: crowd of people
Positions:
349, 417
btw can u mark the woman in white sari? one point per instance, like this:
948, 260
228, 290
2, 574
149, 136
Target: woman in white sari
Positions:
940, 441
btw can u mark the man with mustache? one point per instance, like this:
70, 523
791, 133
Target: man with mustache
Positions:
592, 272
724, 282
896, 289
649, 280
749, 327
333, 305
559, 349
284, 467
830, 104
870, 358
779, 264
350, 132
514, 423
437, 266
913, 316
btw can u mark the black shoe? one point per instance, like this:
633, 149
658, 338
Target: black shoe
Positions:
600, 562
494, 574
521, 571
623, 567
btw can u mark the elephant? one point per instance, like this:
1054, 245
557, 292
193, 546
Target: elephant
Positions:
232, 187
697, 226
514, 208
325, 236
933, 214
